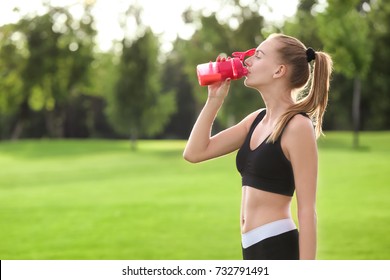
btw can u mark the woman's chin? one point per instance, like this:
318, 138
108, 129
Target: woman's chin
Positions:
247, 83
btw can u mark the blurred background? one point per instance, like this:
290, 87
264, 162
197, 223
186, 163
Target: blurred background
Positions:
79, 79
118, 69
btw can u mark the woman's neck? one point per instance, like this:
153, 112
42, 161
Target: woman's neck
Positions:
277, 103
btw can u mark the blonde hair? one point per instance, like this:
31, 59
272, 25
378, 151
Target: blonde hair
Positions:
293, 53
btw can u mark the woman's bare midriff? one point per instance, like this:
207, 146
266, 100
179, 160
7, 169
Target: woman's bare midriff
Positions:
260, 207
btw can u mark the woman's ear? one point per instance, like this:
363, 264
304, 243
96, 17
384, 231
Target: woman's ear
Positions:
280, 71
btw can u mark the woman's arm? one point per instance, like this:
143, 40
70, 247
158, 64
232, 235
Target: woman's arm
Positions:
301, 146
201, 146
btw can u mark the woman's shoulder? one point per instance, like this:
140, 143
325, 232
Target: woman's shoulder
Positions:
301, 118
299, 136
299, 126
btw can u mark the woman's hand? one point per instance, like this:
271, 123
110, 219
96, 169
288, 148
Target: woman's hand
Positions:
220, 89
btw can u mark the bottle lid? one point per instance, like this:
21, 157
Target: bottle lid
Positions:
242, 55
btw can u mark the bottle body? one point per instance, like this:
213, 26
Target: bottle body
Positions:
212, 72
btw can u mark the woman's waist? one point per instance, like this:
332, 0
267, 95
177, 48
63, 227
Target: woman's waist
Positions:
259, 208
254, 220
259, 200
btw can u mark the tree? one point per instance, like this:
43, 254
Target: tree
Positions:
137, 106
304, 26
57, 54
104, 75
377, 86
345, 31
12, 61
175, 79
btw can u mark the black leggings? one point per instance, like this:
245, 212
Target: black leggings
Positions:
284, 246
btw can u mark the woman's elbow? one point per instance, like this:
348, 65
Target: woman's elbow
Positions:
190, 157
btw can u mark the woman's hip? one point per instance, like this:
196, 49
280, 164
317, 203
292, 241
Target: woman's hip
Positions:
275, 240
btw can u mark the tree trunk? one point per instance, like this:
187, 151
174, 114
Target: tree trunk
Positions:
133, 138
17, 131
55, 123
356, 111
24, 113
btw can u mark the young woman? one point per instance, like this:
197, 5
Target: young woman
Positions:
277, 146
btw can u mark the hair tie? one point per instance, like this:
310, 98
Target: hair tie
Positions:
310, 54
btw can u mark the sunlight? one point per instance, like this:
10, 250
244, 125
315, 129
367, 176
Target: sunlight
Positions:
164, 18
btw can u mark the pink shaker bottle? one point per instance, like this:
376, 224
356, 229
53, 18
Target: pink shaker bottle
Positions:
233, 68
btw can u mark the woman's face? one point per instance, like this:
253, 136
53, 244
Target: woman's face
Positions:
263, 64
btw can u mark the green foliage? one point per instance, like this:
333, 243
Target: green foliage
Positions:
344, 29
104, 74
304, 25
53, 82
377, 84
137, 106
12, 60
57, 52
346, 35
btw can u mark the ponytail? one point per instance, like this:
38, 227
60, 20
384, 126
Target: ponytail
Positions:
315, 101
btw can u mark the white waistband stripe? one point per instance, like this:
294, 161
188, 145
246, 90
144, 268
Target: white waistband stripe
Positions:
265, 231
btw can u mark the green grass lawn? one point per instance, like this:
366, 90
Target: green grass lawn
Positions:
96, 199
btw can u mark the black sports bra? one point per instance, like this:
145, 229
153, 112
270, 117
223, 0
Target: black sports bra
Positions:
266, 167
